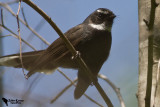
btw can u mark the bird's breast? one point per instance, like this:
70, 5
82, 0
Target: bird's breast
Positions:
96, 48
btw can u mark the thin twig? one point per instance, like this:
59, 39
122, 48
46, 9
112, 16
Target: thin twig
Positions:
19, 7
2, 16
37, 28
16, 36
22, 21
19, 35
24, 17
4, 36
64, 90
32, 84
75, 86
117, 90
12, 2
25, 23
72, 50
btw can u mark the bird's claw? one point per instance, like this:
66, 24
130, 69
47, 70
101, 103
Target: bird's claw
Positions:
26, 76
92, 84
95, 80
78, 54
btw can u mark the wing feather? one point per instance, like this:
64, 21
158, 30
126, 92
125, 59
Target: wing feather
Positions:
57, 52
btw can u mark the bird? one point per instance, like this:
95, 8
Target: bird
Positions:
92, 39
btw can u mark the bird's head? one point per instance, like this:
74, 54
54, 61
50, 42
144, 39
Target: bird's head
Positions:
101, 19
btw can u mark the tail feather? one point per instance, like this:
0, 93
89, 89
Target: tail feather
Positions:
82, 84
29, 60
14, 60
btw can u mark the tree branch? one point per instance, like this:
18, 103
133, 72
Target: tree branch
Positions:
72, 82
22, 21
150, 26
117, 90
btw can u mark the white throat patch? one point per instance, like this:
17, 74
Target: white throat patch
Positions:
100, 27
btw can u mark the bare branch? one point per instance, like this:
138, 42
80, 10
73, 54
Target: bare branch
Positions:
16, 36
20, 40
19, 7
12, 2
150, 23
150, 52
24, 17
117, 90
31, 29
4, 36
65, 89
2, 16
75, 86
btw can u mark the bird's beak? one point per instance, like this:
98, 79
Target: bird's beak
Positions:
113, 16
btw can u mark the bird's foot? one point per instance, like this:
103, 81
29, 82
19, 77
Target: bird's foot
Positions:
78, 54
92, 83
95, 80
26, 76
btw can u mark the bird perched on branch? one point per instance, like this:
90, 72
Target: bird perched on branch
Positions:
92, 38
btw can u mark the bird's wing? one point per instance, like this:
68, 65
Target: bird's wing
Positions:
56, 51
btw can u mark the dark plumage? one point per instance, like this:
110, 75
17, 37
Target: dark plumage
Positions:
92, 39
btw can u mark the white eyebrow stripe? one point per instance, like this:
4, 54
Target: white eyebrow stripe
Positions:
104, 12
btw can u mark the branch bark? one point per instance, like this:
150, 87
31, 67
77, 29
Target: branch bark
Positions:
148, 19
1, 69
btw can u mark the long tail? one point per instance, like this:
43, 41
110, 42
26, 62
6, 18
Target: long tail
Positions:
14, 60
82, 84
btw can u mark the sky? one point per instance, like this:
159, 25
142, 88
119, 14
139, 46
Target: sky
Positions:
121, 67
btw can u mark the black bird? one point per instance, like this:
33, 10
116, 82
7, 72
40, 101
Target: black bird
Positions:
5, 101
92, 39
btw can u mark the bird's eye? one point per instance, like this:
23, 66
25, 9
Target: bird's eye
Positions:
100, 15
